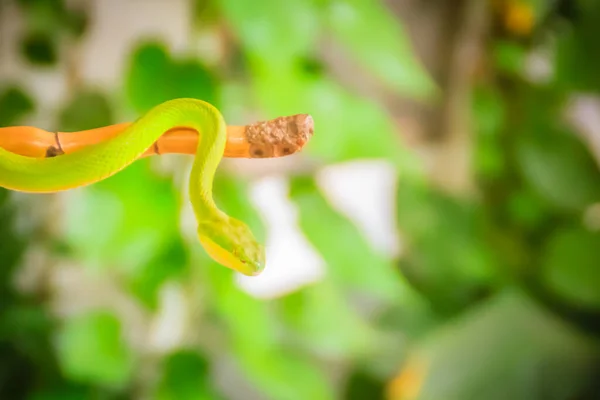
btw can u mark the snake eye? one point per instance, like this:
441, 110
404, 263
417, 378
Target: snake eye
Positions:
236, 254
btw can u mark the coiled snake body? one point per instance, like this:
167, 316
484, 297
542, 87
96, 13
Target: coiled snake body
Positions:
227, 240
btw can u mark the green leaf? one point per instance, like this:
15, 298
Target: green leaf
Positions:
274, 32
509, 57
12, 245
526, 208
185, 377
489, 113
489, 110
91, 348
14, 105
43, 16
361, 385
71, 391
576, 59
135, 220
343, 246
205, 13
153, 77
559, 168
377, 40
39, 49
321, 318
506, 348
147, 76
88, 109
168, 263
288, 375
448, 256
280, 47
66, 394
27, 327
347, 126
134, 215
570, 266
77, 22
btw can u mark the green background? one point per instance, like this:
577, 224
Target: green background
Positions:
495, 294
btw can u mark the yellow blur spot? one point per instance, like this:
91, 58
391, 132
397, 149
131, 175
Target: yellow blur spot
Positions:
408, 383
224, 257
519, 17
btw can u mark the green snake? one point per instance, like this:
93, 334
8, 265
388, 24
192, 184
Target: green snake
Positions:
227, 240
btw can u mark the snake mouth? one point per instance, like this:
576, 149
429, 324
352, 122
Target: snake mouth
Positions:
255, 271
251, 267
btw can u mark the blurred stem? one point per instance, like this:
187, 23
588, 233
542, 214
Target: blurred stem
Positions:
451, 169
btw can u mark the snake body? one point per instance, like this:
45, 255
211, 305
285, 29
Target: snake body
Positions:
227, 240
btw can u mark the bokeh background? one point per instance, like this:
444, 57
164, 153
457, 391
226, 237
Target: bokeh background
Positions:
438, 238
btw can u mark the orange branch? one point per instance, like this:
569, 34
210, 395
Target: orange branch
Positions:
275, 138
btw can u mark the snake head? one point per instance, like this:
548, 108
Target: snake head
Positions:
231, 243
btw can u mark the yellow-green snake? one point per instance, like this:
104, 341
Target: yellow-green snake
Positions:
227, 240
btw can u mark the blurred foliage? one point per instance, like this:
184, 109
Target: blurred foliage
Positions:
86, 108
15, 104
185, 377
151, 66
539, 357
495, 295
94, 336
